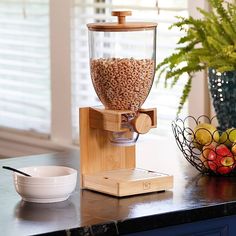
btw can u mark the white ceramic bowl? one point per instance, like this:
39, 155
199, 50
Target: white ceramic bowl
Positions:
47, 184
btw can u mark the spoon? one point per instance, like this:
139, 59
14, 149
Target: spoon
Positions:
15, 170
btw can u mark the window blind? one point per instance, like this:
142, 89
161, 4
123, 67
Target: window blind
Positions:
163, 12
25, 65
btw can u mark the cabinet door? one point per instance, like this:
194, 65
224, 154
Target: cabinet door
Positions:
224, 226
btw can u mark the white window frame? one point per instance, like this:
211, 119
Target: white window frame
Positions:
199, 100
60, 47
60, 40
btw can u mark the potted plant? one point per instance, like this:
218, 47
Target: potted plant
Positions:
209, 43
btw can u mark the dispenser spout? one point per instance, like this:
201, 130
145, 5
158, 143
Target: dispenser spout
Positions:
138, 124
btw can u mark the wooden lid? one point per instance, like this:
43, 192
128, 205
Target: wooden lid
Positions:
121, 25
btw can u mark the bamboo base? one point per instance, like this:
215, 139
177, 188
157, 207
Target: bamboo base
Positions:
111, 169
125, 182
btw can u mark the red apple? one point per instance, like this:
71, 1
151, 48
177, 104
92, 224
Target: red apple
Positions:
205, 152
233, 149
221, 160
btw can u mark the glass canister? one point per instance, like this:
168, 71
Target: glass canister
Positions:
122, 61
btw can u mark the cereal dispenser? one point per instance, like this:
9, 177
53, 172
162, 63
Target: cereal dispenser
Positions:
122, 65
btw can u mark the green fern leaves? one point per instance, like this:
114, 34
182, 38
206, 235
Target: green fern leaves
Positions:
209, 42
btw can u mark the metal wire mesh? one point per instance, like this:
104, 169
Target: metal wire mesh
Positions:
208, 159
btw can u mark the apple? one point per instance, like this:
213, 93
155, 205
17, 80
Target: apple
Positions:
197, 145
228, 137
233, 149
221, 160
205, 133
205, 152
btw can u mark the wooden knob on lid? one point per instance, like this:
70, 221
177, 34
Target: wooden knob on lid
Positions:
142, 123
121, 15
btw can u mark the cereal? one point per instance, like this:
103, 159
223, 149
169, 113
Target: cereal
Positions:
122, 84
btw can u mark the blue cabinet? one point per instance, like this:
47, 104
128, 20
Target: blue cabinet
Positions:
224, 226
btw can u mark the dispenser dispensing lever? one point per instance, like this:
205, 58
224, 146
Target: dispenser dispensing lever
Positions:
142, 123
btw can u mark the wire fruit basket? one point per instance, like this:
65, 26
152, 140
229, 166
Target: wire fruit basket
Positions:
208, 149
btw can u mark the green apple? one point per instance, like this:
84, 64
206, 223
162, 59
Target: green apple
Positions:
228, 137
205, 133
197, 145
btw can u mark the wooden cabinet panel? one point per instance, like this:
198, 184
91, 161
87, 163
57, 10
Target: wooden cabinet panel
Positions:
225, 226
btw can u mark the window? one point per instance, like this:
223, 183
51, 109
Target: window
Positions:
44, 70
25, 65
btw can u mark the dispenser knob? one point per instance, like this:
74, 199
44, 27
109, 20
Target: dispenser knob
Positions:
121, 15
142, 123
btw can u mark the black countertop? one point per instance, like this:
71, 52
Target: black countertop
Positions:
194, 197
